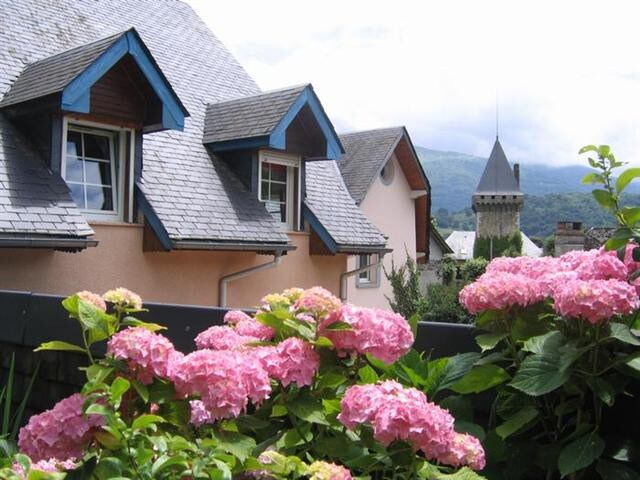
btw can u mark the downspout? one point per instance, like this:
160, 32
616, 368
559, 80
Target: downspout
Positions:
350, 273
223, 282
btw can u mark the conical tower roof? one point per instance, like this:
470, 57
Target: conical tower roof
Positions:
498, 177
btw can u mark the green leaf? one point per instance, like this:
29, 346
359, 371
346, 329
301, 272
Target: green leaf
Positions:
323, 342
118, 388
339, 325
516, 422
308, 409
413, 323
146, 420
278, 411
134, 322
604, 198
591, 178
165, 462
588, 148
549, 342
626, 177
142, 390
635, 327
615, 471
633, 362
540, 374
471, 428
480, 379
446, 371
580, 453
60, 346
621, 332
487, 341
367, 374
97, 409
630, 215
603, 389
464, 473
236, 444
70, 304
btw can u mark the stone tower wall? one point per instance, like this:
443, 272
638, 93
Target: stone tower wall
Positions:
497, 217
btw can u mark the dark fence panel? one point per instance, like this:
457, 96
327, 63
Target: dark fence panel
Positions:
27, 320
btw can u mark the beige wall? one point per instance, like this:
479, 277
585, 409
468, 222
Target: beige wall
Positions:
392, 210
170, 277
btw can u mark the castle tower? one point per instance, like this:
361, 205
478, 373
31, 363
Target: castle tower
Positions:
497, 201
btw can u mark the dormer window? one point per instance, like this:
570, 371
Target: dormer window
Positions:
279, 187
95, 160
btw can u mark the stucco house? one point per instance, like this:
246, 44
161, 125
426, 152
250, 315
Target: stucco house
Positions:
136, 151
384, 176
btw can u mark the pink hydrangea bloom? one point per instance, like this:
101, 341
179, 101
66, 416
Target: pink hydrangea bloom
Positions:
328, 471
124, 297
225, 381
318, 302
148, 354
93, 298
399, 413
232, 317
595, 300
250, 327
59, 434
222, 338
291, 361
50, 465
499, 291
385, 335
465, 449
601, 265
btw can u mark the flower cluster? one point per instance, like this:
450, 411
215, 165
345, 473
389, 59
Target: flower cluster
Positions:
50, 465
399, 413
59, 434
317, 301
247, 326
383, 334
123, 297
92, 298
222, 338
328, 471
291, 361
225, 381
147, 354
591, 285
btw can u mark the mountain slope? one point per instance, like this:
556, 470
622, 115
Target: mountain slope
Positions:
454, 176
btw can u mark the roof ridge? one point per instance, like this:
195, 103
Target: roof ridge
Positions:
268, 92
397, 127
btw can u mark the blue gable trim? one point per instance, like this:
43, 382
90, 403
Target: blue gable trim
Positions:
76, 97
277, 138
154, 222
322, 232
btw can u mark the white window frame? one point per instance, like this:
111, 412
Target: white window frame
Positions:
124, 158
291, 162
369, 278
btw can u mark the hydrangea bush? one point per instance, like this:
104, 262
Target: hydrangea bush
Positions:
304, 388
560, 340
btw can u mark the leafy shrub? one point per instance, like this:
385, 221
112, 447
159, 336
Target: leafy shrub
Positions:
488, 248
442, 305
473, 268
408, 299
448, 270
305, 388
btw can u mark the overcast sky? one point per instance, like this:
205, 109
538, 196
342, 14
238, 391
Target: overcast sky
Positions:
565, 73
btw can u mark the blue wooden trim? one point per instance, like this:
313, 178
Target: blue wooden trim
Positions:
277, 139
56, 144
317, 226
76, 97
154, 222
240, 144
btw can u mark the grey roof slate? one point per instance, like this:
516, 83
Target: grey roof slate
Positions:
329, 200
52, 74
191, 191
247, 117
365, 154
498, 177
33, 200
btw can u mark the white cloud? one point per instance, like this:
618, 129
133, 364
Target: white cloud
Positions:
567, 73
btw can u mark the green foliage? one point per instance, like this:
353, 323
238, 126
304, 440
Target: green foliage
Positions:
488, 248
448, 270
472, 269
405, 282
441, 305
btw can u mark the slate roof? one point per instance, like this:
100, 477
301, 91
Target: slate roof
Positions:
366, 153
462, 241
329, 200
192, 192
52, 74
497, 177
247, 117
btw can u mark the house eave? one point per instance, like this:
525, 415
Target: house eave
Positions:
45, 241
266, 248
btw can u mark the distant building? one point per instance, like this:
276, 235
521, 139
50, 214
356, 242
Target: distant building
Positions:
569, 236
497, 203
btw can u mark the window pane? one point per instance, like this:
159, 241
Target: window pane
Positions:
277, 210
278, 192
99, 198
278, 172
77, 193
96, 146
74, 144
98, 172
74, 170
264, 192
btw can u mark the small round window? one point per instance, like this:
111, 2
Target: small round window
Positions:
386, 174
